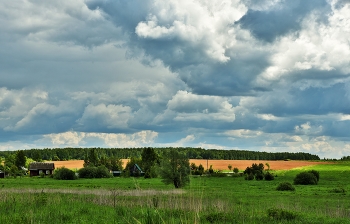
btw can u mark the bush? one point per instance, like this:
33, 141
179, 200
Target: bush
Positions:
87, 172
305, 178
103, 172
316, 173
218, 174
249, 177
259, 176
64, 174
236, 175
285, 186
94, 172
269, 176
338, 190
281, 214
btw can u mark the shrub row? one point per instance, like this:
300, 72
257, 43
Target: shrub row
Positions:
260, 176
94, 172
86, 172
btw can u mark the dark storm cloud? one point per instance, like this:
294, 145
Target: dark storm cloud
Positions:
284, 18
126, 14
312, 100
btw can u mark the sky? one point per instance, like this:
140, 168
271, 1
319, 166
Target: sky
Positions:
261, 75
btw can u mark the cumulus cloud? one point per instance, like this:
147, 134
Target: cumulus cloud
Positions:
202, 27
190, 107
138, 139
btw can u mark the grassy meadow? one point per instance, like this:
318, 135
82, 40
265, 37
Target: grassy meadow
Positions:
205, 200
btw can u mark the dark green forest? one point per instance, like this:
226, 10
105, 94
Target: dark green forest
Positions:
192, 153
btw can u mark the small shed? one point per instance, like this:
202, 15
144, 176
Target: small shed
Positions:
116, 173
2, 174
37, 168
136, 171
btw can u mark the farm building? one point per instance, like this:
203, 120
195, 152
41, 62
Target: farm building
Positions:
116, 173
36, 168
136, 171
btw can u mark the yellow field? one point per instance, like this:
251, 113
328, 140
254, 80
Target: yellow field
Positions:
217, 164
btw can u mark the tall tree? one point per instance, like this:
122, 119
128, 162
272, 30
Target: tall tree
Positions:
91, 159
149, 159
37, 155
175, 168
20, 160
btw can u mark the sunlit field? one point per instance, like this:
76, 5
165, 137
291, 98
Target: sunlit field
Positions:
217, 164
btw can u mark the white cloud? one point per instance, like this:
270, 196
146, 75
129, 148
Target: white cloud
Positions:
66, 138
186, 140
191, 107
81, 139
268, 117
308, 129
207, 26
243, 133
320, 46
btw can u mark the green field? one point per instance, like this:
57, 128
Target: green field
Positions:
205, 200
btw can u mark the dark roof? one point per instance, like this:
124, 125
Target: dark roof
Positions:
41, 166
137, 166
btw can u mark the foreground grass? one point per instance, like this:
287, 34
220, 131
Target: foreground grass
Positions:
206, 200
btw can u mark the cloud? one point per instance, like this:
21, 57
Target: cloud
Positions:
280, 18
65, 22
190, 107
185, 141
74, 139
243, 133
107, 116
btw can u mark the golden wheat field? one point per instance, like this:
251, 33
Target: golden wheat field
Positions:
217, 164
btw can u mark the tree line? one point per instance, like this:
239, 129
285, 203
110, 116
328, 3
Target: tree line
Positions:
63, 154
